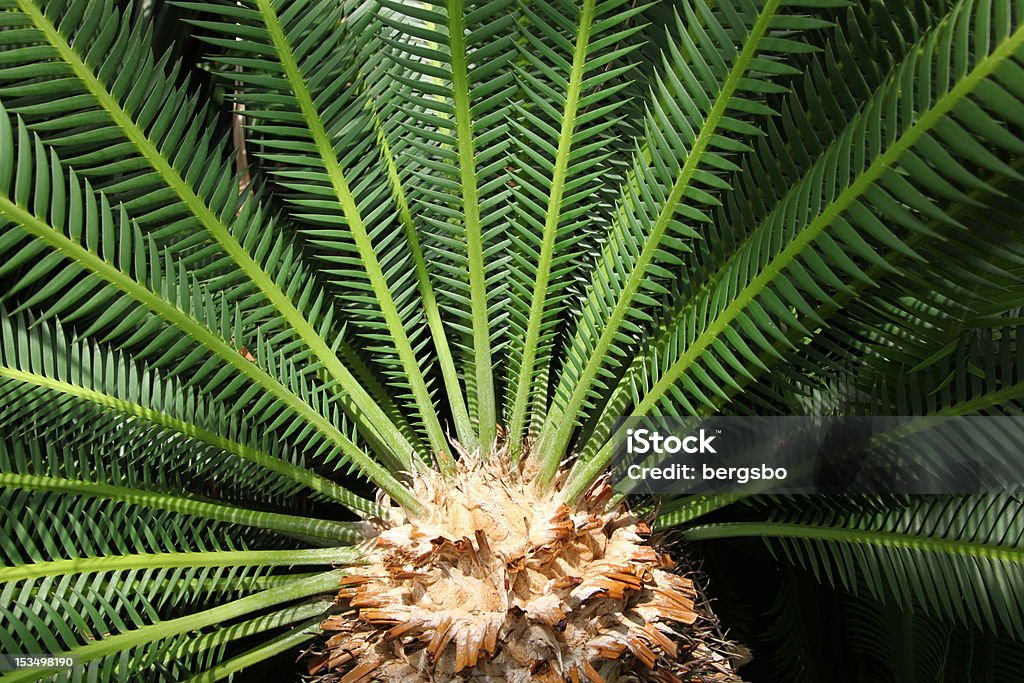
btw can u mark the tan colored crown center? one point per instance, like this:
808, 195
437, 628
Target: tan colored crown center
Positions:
500, 582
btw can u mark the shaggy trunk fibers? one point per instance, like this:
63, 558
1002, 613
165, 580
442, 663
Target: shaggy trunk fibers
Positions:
498, 582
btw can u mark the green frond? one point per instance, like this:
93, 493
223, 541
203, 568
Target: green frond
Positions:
915, 321
823, 102
159, 425
454, 60
560, 167
40, 466
222, 558
70, 574
146, 121
286, 641
707, 103
797, 258
85, 236
318, 138
982, 374
216, 668
913, 555
688, 508
116, 656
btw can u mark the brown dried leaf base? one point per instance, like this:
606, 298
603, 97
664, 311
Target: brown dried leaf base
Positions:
500, 582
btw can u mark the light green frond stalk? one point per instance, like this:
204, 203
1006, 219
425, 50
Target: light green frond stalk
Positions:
218, 558
122, 642
527, 368
311, 480
287, 524
485, 400
561, 421
367, 254
883, 539
289, 640
201, 334
449, 372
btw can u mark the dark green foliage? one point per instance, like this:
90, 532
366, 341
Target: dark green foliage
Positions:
263, 258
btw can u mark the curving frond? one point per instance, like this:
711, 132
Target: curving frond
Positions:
562, 150
708, 102
44, 467
798, 258
121, 655
112, 406
454, 60
143, 119
919, 553
300, 87
83, 239
72, 575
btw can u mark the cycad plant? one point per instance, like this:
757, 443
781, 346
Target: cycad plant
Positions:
316, 339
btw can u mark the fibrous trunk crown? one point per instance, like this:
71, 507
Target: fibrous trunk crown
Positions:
500, 581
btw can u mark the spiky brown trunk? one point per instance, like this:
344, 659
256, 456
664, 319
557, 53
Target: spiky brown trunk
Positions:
501, 582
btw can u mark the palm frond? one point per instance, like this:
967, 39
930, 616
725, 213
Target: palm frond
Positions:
454, 60
84, 238
132, 650
561, 167
707, 104
134, 411
44, 467
792, 260
916, 554
70, 576
300, 86
163, 175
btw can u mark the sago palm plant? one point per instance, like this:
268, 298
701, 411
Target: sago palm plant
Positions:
315, 340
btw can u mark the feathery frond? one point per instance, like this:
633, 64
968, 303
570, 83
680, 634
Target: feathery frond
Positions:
318, 325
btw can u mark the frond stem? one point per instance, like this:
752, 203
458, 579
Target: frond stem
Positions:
925, 121
449, 374
886, 539
356, 225
486, 405
287, 524
219, 558
193, 328
527, 370
289, 640
220, 232
560, 424
307, 478
302, 588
